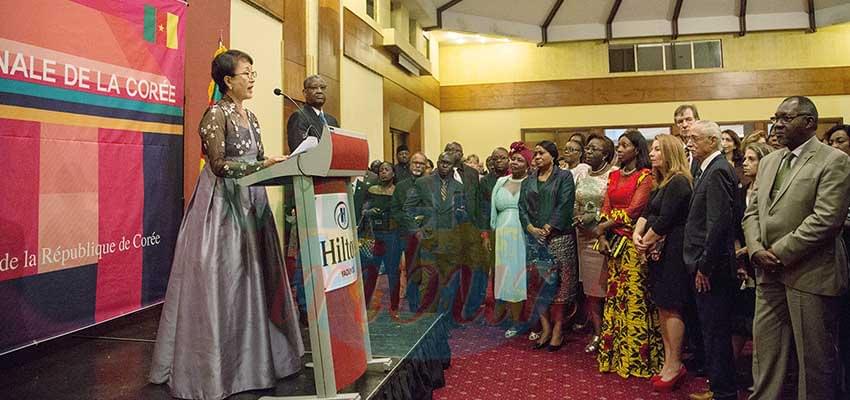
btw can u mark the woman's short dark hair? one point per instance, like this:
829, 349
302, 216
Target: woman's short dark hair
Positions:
225, 64
550, 148
639, 142
836, 128
607, 146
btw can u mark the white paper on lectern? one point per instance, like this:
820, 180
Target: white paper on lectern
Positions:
308, 143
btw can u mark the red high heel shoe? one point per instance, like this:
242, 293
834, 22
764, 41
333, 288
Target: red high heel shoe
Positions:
660, 385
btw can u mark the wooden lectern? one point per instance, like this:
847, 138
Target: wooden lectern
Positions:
339, 331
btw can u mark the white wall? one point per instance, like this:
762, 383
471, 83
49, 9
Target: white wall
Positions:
261, 37
431, 144
362, 104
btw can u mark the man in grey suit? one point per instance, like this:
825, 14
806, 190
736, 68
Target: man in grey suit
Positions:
792, 228
439, 206
475, 237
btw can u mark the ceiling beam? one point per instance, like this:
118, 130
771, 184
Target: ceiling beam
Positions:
611, 15
544, 29
742, 18
440, 10
675, 20
812, 26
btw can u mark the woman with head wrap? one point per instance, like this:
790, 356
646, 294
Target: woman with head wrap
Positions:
510, 275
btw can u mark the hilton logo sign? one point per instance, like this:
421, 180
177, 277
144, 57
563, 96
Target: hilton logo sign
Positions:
336, 240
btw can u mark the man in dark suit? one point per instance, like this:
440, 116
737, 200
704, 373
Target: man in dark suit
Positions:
709, 253
475, 236
438, 204
310, 120
793, 231
408, 227
402, 167
684, 118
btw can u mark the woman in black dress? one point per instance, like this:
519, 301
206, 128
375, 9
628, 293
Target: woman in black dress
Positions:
659, 236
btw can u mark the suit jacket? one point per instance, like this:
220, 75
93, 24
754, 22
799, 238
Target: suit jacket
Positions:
425, 203
552, 203
710, 229
305, 123
486, 186
402, 192
802, 224
474, 201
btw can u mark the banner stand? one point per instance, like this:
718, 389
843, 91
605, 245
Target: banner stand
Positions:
339, 155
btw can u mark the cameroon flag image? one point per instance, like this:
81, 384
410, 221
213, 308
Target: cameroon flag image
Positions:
160, 27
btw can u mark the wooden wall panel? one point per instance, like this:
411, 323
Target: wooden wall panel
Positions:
271, 7
329, 53
648, 89
395, 94
294, 48
362, 44
329, 46
294, 56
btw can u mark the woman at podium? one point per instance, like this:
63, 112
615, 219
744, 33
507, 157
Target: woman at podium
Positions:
229, 323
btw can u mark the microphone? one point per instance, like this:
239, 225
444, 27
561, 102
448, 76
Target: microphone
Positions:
278, 92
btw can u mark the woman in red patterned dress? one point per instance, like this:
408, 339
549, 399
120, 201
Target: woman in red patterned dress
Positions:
631, 340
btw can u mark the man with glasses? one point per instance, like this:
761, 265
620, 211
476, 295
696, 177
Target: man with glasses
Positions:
709, 254
408, 227
684, 117
310, 120
792, 228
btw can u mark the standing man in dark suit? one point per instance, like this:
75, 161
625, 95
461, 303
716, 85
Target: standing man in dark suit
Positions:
793, 232
409, 242
499, 167
402, 167
310, 120
709, 253
438, 204
475, 236
684, 118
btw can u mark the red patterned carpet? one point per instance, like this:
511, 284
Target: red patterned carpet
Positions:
485, 365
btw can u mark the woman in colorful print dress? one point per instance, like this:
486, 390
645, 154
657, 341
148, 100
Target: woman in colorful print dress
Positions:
631, 341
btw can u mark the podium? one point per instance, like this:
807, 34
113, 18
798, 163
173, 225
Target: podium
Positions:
333, 285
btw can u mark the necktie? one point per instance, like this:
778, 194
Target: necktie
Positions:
697, 174
781, 174
444, 189
322, 117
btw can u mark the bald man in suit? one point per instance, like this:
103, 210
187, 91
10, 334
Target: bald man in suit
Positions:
793, 232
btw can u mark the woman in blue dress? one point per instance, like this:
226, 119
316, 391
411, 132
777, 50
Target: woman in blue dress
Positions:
510, 276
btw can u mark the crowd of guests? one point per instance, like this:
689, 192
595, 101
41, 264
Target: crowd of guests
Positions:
670, 251
686, 245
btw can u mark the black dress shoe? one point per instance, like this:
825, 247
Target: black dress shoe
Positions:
553, 348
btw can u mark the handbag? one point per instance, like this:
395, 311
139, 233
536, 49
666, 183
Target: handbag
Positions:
616, 244
657, 249
366, 242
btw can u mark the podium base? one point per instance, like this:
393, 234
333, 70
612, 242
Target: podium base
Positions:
384, 364
338, 396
